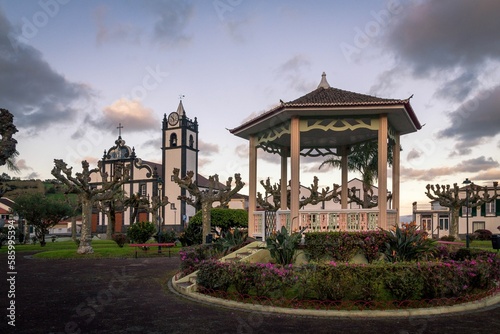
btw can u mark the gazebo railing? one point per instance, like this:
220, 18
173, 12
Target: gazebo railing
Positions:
350, 220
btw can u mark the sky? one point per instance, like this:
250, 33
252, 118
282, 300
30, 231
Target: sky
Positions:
71, 71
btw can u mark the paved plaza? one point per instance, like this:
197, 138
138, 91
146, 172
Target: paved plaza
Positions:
132, 296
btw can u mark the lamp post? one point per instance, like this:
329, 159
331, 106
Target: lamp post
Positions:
467, 182
160, 187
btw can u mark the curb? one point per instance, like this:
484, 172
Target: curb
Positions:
418, 312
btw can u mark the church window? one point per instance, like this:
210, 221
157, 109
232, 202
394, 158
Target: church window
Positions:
143, 189
173, 139
191, 141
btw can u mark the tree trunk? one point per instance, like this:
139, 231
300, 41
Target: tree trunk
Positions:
454, 223
73, 228
86, 233
110, 229
206, 219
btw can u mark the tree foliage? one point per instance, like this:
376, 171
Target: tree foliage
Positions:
363, 159
222, 218
141, 232
41, 212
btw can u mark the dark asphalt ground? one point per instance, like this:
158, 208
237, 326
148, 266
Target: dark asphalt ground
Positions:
132, 296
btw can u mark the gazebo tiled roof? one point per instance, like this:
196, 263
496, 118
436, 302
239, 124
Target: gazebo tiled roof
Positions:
330, 101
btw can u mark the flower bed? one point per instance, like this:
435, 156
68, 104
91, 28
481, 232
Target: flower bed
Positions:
402, 284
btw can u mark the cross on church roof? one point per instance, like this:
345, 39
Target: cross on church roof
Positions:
119, 127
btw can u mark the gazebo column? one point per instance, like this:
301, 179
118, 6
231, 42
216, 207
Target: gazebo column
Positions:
343, 190
284, 178
395, 175
295, 171
382, 171
252, 191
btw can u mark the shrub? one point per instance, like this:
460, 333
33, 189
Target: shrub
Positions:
282, 246
225, 219
449, 238
120, 239
141, 232
231, 240
403, 282
481, 235
408, 244
342, 246
343, 281
192, 235
214, 275
166, 236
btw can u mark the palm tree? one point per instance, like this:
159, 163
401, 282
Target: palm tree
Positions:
363, 159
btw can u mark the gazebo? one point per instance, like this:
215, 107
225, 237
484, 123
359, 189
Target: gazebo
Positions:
323, 122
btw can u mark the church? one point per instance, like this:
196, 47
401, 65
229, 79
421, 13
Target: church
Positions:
179, 149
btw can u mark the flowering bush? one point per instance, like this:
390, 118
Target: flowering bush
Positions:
192, 257
336, 281
214, 275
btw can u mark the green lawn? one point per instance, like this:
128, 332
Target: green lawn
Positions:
102, 249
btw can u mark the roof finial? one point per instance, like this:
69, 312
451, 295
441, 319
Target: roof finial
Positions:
323, 83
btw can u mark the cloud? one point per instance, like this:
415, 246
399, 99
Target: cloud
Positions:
487, 176
480, 164
413, 154
172, 18
439, 34
241, 151
21, 164
31, 89
32, 176
132, 115
294, 70
475, 121
459, 87
114, 32
446, 39
154, 143
207, 148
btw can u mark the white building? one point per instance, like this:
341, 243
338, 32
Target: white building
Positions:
436, 219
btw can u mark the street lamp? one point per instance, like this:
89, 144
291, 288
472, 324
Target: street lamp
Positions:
160, 187
467, 182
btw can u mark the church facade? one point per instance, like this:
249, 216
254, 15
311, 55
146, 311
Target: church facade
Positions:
179, 149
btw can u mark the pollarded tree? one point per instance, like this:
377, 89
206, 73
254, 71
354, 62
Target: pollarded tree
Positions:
363, 159
109, 208
89, 195
449, 197
316, 196
216, 192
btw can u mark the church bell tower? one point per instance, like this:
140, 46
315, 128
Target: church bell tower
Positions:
180, 150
